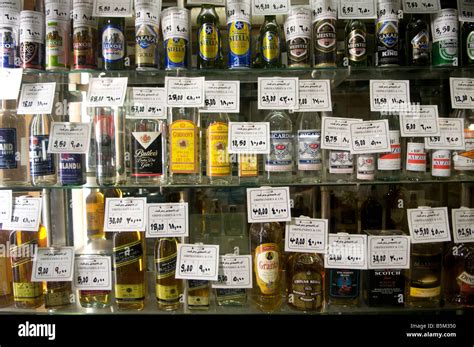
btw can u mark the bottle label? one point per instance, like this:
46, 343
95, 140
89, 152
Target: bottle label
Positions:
420, 44
307, 289
8, 148
341, 162
463, 160
146, 45
23, 254
84, 46
7, 48
267, 267
57, 44
298, 50
325, 36
281, 151
441, 163
239, 44
147, 154
357, 45
95, 217
130, 292
309, 150
392, 160
425, 292
198, 300
27, 290
365, 167
208, 42
175, 53
166, 267
198, 284
71, 170
218, 163
425, 275
167, 292
248, 165
386, 288
470, 45
128, 254
466, 278
270, 47
344, 283
183, 147
41, 162
5, 275
387, 42
113, 44
416, 157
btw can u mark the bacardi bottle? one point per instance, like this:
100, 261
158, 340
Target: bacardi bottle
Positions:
308, 140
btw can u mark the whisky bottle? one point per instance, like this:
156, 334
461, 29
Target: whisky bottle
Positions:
209, 39
130, 269
415, 165
324, 40
356, 43
6, 283
198, 297
265, 243
418, 41
464, 160
95, 209
389, 164
146, 35
269, 44
459, 274
57, 294
218, 165
42, 163
308, 140
371, 212
467, 44
113, 43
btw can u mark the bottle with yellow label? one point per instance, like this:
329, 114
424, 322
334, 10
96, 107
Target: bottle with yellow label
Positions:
6, 287
270, 43
248, 168
95, 204
218, 169
209, 39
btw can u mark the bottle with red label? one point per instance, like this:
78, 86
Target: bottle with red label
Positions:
441, 164
415, 164
464, 159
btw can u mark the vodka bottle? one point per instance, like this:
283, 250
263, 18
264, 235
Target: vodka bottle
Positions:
308, 138
42, 163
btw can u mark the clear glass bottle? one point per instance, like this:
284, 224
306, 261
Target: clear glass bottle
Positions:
218, 165
389, 165
6, 283
463, 160
308, 138
441, 164
415, 164
42, 163
458, 270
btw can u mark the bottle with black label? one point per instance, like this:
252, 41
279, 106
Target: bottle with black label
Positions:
324, 40
168, 288
113, 43
417, 41
42, 163
356, 43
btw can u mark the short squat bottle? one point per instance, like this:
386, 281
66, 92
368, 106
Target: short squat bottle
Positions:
42, 163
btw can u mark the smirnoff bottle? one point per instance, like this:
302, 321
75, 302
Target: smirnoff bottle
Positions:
308, 138
42, 163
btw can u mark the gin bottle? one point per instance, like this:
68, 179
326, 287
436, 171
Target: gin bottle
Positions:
218, 168
308, 140
42, 163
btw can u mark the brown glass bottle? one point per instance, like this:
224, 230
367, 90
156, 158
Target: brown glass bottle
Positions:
459, 274
95, 205
6, 287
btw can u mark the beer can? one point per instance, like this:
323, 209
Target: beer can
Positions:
175, 29
8, 43
324, 39
146, 34
57, 45
31, 49
85, 36
298, 37
238, 25
444, 28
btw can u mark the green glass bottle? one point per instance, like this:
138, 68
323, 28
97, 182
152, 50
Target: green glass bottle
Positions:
417, 41
467, 43
113, 43
209, 39
269, 55
356, 43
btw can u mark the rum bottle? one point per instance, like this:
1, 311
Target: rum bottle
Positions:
417, 41
218, 165
308, 140
6, 283
42, 163
209, 39
113, 43
459, 274
356, 43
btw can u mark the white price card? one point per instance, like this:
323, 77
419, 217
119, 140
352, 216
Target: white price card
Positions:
208, 2
268, 204
184, 91
197, 262
314, 95
112, 8
278, 93
370, 137
462, 92
26, 214
107, 91
336, 133
442, 28
428, 224
389, 95
147, 12
6, 206
346, 252
389, 10
306, 235
221, 96
323, 9
357, 9
125, 214
52, 264
175, 24
389, 252
147, 103
235, 271
248, 137
93, 272
421, 6
451, 135
419, 121
463, 224
270, 7
69, 137
10, 83
167, 220
36, 98
238, 10
466, 10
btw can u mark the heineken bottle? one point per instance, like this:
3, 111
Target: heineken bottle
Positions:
113, 43
417, 41
444, 26
269, 49
356, 43
209, 39
467, 43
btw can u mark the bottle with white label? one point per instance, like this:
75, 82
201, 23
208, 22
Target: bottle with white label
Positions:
464, 159
218, 165
440, 163
339, 165
415, 164
389, 164
366, 167
279, 163
42, 163
309, 155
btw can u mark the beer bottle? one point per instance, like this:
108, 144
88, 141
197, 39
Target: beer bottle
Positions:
467, 43
269, 54
325, 43
417, 41
356, 43
209, 39
113, 43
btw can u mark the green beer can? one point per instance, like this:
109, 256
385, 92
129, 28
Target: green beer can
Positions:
444, 26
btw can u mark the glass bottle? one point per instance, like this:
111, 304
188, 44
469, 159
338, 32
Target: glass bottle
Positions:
464, 160
325, 40
440, 163
71, 169
9, 32
6, 283
339, 166
213, 220
42, 163
389, 164
177, 47
146, 35
459, 274
57, 295
93, 298
218, 165
371, 212
95, 209
113, 43
198, 297
269, 44
467, 43
445, 42
209, 39
308, 139
417, 41
395, 210
279, 163
356, 43
297, 29
32, 36
85, 36
240, 34
415, 165
365, 167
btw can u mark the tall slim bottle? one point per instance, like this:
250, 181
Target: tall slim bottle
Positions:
209, 39
42, 163
58, 34
417, 41
389, 164
113, 43
464, 160
308, 140
218, 165
324, 40
269, 44
356, 43
168, 289
175, 26
240, 34
467, 44
387, 41
6, 283
298, 29
415, 164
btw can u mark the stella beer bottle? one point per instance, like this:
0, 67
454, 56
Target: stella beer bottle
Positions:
209, 39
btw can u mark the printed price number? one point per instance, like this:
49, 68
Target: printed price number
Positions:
301, 241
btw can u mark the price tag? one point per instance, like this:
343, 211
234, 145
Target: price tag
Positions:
323, 9
270, 7
82, 15
442, 27
53, 264
5, 206
462, 92
10, 82
125, 214
314, 95
370, 137
451, 135
419, 121
298, 25
10, 13
248, 137
208, 2
389, 252
306, 235
175, 24
238, 10
268, 204
389, 10
235, 271
463, 224
93, 272
277, 93
58, 10
69, 137
147, 103
428, 224
26, 214
389, 95
222, 96
336, 133
466, 10
197, 262
167, 220
107, 92
357, 9
184, 91
346, 252
421, 6
113, 8
147, 12
36, 98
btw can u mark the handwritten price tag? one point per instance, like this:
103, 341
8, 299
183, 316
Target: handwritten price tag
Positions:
346, 252
125, 214
167, 220
10, 82
462, 92
5, 206
419, 121
238, 11
421, 6
93, 272
69, 137
184, 91
112, 8
278, 93
463, 224
314, 95
306, 235
175, 24
336, 133
147, 12
235, 271
389, 95
323, 9
428, 224
147, 103
451, 135
466, 10
53, 264
268, 204
389, 252
247, 137
36, 98
197, 262
26, 214
270, 7
357, 9
370, 137
222, 96
107, 92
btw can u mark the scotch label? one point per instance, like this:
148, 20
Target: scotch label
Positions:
425, 278
386, 288
307, 289
267, 267
167, 293
128, 254
147, 153
344, 283
130, 292
26, 290
166, 267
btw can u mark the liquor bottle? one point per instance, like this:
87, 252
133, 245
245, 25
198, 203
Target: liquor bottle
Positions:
356, 43
269, 44
440, 163
209, 39
42, 163
57, 295
146, 34
218, 165
239, 28
371, 212
415, 165
198, 294
6, 283
459, 274
85, 36
417, 41
464, 160
308, 139
95, 209
279, 163
389, 164
365, 167
113, 43
168, 288
248, 168
306, 282
71, 169
184, 142
265, 243
58, 34
395, 210
445, 41
298, 37
387, 41
130, 269
32, 37
9, 31
467, 43
13, 145
339, 166
324, 40
175, 29
213, 220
